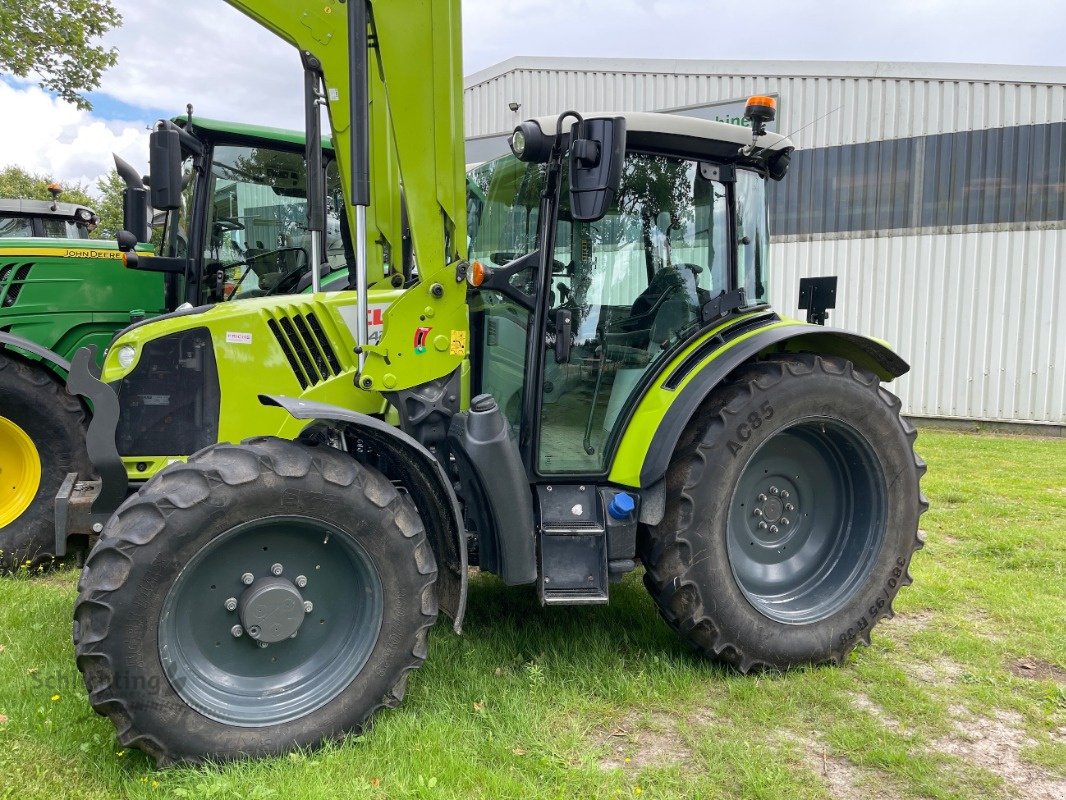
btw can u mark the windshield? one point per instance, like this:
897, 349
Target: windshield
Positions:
15, 227
257, 216
503, 205
49, 227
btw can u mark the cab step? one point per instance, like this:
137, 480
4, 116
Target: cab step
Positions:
573, 545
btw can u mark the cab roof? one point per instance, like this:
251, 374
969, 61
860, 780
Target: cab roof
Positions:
246, 131
40, 208
684, 132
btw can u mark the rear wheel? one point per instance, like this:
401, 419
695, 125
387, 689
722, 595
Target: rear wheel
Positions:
42, 438
261, 597
792, 514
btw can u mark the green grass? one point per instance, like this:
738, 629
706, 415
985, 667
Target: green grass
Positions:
535, 702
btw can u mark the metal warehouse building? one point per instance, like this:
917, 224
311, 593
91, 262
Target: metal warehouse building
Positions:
936, 192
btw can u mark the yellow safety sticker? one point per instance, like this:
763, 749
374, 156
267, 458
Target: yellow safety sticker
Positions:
458, 343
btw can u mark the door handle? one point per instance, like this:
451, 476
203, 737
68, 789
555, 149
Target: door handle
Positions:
563, 322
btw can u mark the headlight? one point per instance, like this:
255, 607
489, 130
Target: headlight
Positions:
518, 143
126, 354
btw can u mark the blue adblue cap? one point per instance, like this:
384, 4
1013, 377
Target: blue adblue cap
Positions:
621, 506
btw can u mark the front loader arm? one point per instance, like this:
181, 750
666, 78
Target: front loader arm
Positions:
415, 62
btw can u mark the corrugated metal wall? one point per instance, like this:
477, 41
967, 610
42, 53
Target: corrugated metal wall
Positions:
981, 317
864, 101
979, 314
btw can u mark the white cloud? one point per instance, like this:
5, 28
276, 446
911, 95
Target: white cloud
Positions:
55, 138
206, 53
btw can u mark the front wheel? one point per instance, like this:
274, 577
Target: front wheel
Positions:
261, 597
792, 515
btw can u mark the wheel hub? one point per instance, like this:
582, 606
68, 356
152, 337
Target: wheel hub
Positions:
807, 520
775, 511
271, 609
20, 471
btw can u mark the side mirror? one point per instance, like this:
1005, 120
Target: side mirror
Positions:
165, 164
597, 153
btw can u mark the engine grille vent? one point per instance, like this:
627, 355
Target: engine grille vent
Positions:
13, 286
306, 346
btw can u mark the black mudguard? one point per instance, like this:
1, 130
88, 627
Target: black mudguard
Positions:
424, 477
56, 360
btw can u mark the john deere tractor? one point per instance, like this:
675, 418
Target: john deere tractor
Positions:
45, 219
233, 223
599, 384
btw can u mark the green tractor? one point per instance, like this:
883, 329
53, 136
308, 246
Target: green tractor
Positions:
236, 226
45, 219
600, 384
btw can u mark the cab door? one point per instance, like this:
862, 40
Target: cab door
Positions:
634, 284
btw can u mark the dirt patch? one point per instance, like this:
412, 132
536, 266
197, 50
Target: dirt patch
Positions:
995, 745
938, 672
643, 740
1037, 670
842, 779
864, 703
910, 621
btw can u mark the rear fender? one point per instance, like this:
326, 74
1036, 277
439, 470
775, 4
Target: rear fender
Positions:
795, 338
421, 474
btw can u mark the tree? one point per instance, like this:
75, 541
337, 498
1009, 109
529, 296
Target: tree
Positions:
57, 41
16, 183
109, 206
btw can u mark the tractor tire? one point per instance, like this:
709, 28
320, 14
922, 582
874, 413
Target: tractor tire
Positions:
261, 597
791, 515
42, 438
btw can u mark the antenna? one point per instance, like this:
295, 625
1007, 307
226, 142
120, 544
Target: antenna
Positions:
751, 150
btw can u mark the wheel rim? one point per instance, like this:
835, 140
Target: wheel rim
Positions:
235, 679
20, 471
807, 521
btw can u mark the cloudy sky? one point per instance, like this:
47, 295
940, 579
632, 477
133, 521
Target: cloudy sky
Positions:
204, 52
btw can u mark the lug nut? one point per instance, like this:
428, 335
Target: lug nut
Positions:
784, 522
773, 529
231, 604
294, 634
784, 495
247, 578
774, 490
276, 570
301, 581
308, 606
263, 645
237, 631
762, 498
789, 507
757, 512
762, 526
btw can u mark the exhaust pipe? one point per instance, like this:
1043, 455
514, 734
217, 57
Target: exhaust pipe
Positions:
134, 200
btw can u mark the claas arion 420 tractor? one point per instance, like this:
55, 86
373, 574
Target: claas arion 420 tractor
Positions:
599, 383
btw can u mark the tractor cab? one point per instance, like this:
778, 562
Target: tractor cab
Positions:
683, 244
49, 219
231, 205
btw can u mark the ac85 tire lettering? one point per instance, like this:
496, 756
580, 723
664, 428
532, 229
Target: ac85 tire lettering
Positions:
745, 429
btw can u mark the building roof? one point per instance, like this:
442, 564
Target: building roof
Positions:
886, 70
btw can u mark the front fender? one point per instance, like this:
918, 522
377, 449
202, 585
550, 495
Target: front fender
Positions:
54, 360
693, 382
422, 475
